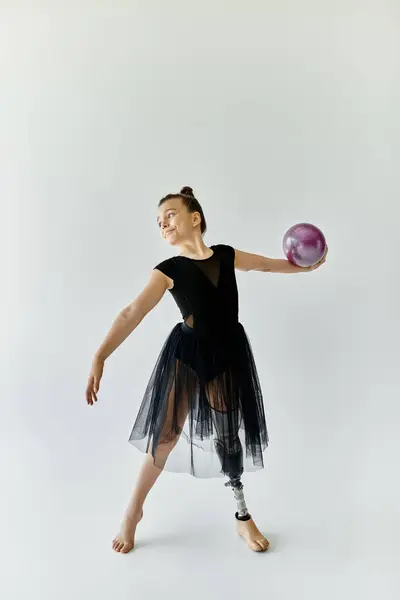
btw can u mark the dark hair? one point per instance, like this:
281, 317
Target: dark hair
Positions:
191, 203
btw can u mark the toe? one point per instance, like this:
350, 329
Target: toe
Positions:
263, 543
254, 546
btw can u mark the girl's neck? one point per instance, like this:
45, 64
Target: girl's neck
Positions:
195, 249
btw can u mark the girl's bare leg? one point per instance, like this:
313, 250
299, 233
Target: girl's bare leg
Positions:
148, 475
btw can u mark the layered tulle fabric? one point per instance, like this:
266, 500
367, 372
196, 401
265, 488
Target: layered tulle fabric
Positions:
202, 412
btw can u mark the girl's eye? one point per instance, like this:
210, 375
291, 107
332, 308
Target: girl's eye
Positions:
170, 215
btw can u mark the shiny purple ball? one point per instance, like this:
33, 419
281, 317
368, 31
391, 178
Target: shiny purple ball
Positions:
304, 244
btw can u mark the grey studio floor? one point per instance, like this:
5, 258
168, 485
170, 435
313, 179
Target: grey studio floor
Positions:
58, 523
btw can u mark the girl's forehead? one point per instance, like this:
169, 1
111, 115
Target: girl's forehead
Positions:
169, 204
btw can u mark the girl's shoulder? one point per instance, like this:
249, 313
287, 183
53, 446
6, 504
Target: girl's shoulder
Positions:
168, 266
224, 249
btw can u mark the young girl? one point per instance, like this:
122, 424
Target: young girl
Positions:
203, 398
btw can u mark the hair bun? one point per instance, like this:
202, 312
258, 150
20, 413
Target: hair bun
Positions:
187, 191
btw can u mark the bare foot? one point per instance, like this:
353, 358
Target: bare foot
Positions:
254, 538
125, 540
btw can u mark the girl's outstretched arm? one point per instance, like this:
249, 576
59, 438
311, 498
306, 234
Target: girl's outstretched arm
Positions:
244, 261
130, 317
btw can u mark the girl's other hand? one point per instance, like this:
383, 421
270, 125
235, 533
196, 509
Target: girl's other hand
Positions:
93, 385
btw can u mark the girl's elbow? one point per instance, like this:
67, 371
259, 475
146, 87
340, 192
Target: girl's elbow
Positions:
134, 312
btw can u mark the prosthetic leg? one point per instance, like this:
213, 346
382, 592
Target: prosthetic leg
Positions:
230, 453
242, 513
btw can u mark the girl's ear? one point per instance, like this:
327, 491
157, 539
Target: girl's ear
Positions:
196, 219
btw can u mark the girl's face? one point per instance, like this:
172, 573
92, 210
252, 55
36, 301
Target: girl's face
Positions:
176, 223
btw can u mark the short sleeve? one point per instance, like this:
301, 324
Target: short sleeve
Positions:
227, 251
167, 267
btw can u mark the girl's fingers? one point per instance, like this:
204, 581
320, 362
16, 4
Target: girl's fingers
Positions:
90, 396
92, 390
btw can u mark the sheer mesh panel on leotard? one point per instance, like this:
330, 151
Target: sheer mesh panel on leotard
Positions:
202, 410
189, 321
210, 268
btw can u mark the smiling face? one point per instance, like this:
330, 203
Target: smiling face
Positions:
176, 223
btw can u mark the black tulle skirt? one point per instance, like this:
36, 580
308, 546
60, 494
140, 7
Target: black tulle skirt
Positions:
202, 411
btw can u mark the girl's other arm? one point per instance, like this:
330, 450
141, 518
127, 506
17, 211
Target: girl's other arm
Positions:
244, 261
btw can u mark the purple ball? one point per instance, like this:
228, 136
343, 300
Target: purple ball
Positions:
304, 244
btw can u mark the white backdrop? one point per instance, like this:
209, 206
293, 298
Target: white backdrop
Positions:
274, 112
